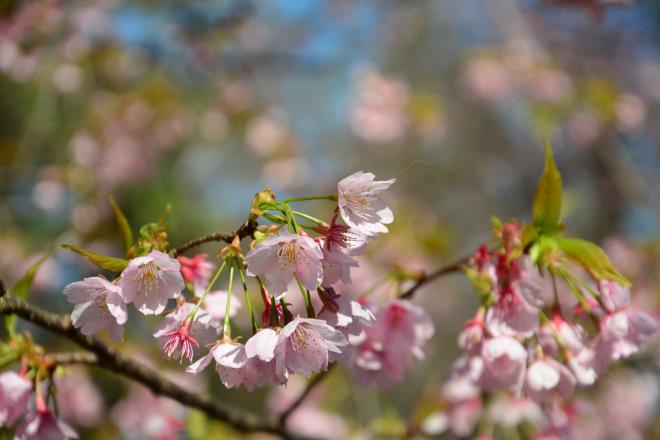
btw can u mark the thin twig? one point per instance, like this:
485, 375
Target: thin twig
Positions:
108, 358
311, 385
247, 229
427, 278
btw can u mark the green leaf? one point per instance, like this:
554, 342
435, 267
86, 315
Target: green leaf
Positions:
547, 201
592, 259
104, 262
124, 227
22, 287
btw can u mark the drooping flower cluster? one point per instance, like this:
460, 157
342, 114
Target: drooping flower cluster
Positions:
538, 336
292, 344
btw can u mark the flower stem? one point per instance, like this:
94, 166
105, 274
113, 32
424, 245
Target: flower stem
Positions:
193, 312
308, 300
248, 302
331, 197
310, 218
226, 328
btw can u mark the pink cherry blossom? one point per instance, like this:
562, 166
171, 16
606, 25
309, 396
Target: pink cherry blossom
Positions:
359, 205
262, 344
623, 330
622, 333
336, 267
472, 335
504, 360
196, 270
613, 295
304, 345
235, 368
216, 303
179, 337
150, 281
281, 257
463, 416
511, 411
144, 415
344, 313
385, 350
79, 401
344, 238
41, 425
15, 391
547, 378
512, 315
98, 305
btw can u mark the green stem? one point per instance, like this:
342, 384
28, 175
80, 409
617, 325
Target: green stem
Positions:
308, 300
226, 328
331, 197
248, 302
191, 315
310, 218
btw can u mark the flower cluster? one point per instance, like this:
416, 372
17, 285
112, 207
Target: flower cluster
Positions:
541, 332
343, 329
288, 259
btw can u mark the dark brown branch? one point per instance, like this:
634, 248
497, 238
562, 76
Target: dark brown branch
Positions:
311, 385
77, 357
427, 278
108, 358
247, 229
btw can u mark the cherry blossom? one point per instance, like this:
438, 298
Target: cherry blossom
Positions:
304, 345
98, 305
15, 391
179, 336
546, 378
623, 330
235, 368
345, 313
150, 281
42, 424
216, 303
282, 256
384, 351
196, 270
504, 360
344, 238
359, 205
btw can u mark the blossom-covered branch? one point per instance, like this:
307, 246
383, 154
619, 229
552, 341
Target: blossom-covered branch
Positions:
110, 359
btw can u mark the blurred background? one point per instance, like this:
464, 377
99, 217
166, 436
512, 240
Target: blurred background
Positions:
201, 104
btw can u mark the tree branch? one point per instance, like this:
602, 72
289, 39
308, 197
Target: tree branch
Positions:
245, 230
428, 277
311, 385
76, 357
108, 358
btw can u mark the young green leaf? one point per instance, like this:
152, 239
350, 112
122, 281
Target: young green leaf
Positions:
22, 287
547, 201
104, 262
592, 259
124, 227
